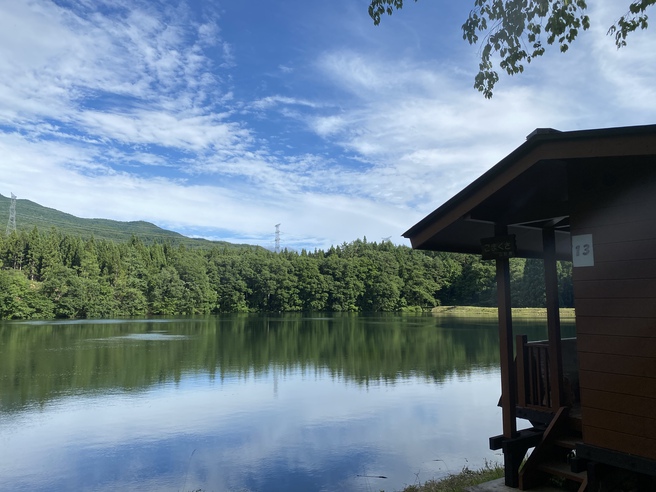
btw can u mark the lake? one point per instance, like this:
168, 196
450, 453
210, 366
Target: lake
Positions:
247, 403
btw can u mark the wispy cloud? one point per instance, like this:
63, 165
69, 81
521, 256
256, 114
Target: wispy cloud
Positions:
198, 133
161, 111
274, 101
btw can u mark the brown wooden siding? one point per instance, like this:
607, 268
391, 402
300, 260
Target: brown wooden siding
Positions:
595, 344
638, 228
616, 303
636, 288
617, 270
626, 423
641, 406
617, 383
644, 367
617, 308
630, 327
620, 441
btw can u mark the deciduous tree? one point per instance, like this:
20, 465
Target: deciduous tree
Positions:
519, 30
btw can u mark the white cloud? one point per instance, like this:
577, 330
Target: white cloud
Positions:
166, 129
273, 101
138, 111
99, 61
427, 133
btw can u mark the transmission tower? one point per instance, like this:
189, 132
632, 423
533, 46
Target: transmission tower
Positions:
11, 225
277, 238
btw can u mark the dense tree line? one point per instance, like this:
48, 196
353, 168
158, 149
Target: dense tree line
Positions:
55, 275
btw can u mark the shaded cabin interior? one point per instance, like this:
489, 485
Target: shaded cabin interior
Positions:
588, 197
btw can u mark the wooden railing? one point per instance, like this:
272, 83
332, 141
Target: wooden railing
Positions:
534, 386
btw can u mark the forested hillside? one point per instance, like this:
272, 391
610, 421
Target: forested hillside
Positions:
30, 215
53, 274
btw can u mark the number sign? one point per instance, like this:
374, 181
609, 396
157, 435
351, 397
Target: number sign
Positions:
582, 251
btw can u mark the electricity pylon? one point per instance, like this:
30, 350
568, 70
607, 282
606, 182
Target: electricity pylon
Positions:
11, 225
277, 249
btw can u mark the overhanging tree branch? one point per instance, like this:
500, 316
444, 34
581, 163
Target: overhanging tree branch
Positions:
518, 27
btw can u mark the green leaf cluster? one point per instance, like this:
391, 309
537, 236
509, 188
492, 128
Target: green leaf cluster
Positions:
512, 30
634, 19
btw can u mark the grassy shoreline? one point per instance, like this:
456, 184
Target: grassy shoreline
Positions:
487, 312
457, 482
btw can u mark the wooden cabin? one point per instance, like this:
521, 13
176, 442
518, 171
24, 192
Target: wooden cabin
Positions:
588, 197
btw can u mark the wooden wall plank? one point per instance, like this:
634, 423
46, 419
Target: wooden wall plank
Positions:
617, 383
616, 345
616, 269
625, 250
639, 288
630, 327
621, 403
617, 441
615, 364
636, 230
618, 308
600, 213
620, 422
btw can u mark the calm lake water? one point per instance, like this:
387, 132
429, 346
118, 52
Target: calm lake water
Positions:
247, 403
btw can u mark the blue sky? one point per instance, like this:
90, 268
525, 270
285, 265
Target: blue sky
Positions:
220, 119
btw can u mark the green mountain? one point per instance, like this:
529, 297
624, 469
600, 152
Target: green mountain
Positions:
30, 214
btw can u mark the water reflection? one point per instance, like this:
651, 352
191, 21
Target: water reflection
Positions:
245, 403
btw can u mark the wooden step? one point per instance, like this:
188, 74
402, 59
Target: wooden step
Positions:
562, 470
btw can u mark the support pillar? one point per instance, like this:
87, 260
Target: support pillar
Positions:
553, 317
508, 376
512, 457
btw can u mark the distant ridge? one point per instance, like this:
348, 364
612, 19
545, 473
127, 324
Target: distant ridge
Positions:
30, 214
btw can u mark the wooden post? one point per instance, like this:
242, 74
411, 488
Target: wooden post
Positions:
508, 378
553, 318
522, 370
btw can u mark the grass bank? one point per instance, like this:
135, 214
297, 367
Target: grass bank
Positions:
485, 312
459, 481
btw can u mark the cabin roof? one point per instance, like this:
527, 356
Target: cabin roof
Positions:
528, 190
